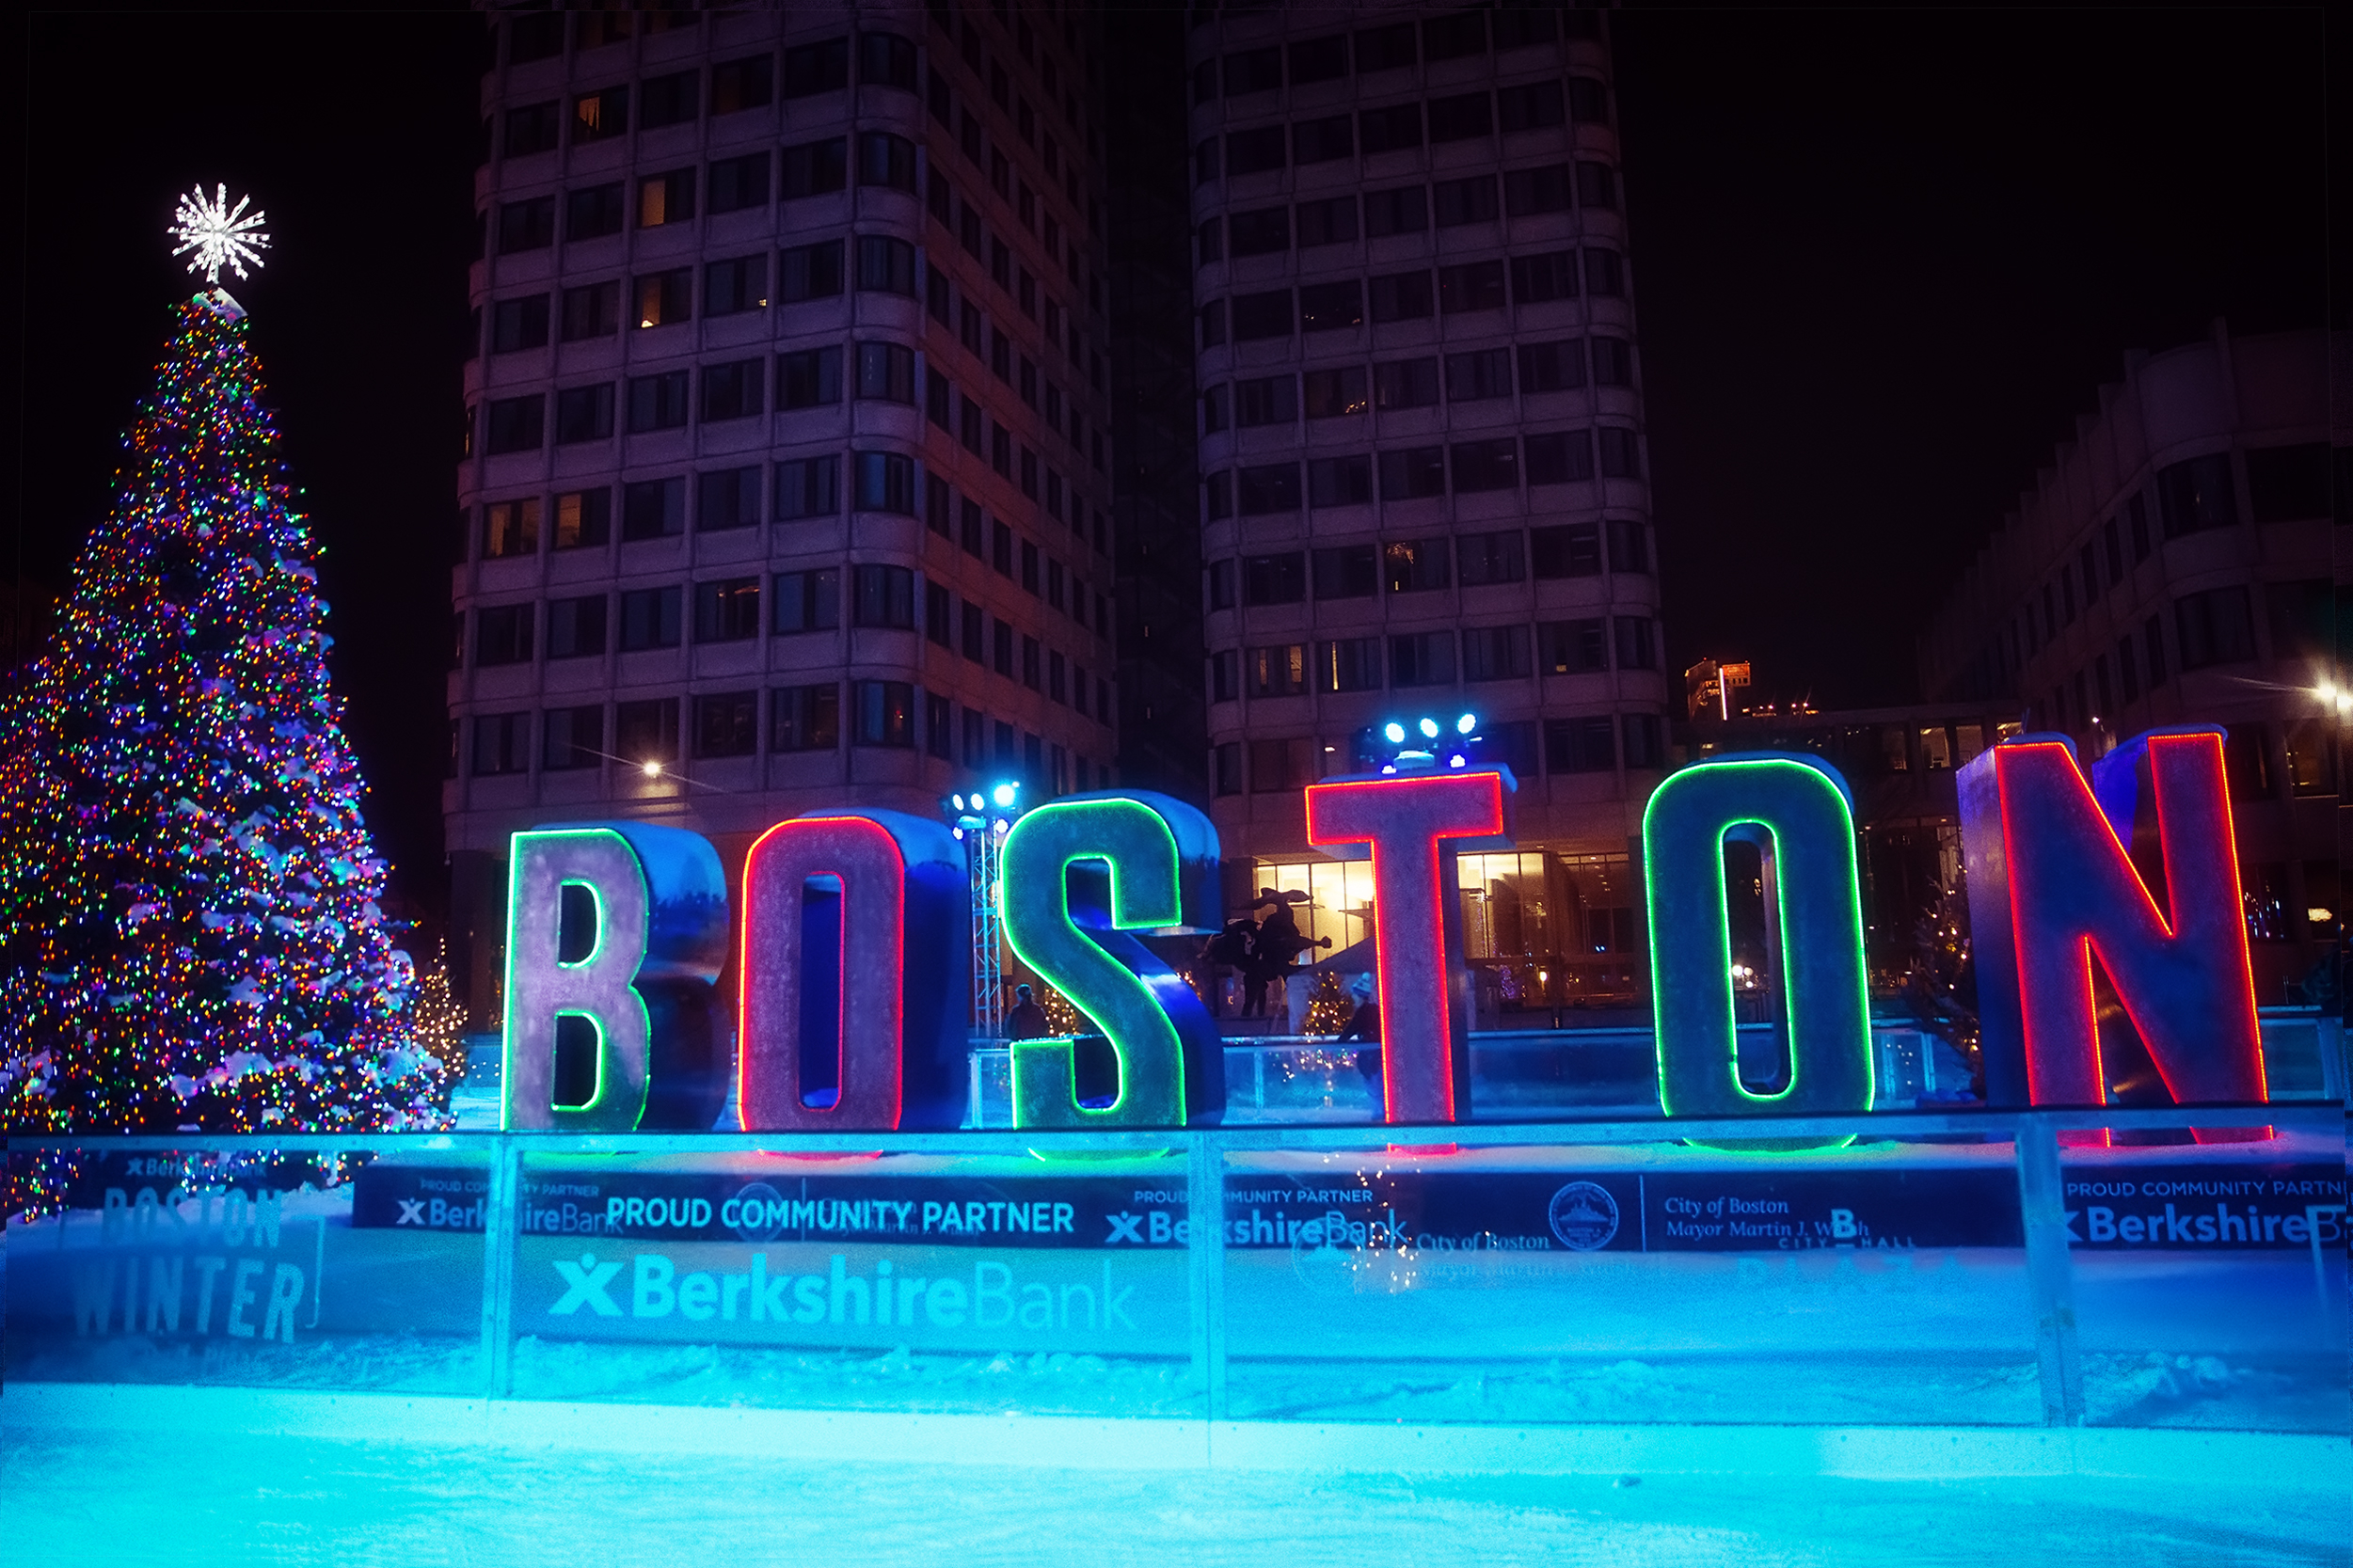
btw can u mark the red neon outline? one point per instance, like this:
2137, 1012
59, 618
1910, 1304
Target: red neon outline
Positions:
1412, 785
2089, 944
893, 998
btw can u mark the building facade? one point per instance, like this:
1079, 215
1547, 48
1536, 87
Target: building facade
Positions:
2174, 566
1423, 477
786, 476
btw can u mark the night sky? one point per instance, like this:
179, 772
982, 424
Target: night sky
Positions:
1881, 262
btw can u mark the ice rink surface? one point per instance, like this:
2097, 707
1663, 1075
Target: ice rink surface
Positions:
164, 1497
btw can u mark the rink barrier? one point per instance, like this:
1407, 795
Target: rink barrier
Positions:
2037, 1136
2272, 1463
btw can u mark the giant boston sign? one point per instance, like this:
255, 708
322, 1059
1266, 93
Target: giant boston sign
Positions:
852, 948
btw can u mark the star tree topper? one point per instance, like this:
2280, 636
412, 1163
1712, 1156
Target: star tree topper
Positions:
218, 235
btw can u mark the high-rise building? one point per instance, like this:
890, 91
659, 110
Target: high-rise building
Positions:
786, 476
2173, 565
1423, 475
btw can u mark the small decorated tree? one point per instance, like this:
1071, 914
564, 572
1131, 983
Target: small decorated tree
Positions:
190, 935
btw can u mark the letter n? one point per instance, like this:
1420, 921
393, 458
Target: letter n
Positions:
2135, 867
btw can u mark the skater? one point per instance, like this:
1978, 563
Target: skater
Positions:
1364, 1029
1027, 1021
1230, 949
1277, 944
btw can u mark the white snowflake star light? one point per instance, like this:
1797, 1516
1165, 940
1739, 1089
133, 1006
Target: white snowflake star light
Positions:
218, 235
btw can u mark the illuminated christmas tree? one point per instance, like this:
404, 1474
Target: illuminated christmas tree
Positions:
190, 935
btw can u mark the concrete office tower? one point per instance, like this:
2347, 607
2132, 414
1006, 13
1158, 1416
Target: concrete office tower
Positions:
2173, 565
1423, 478
786, 483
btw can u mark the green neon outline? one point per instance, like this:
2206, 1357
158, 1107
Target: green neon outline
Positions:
506, 1030
1817, 776
1061, 1051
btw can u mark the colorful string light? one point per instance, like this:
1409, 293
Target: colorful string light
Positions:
191, 934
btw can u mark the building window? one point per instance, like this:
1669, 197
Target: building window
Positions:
1261, 316
1566, 550
1642, 748
885, 482
1226, 767
1348, 572
1255, 151
510, 528
1473, 286
2215, 628
886, 371
530, 128
1632, 636
726, 725
576, 627
1422, 658
1537, 106
593, 212
1267, 490
1213, 319
649, 619
736, 183
1628, 544
1331, 307
1414, 473
657, 401
808, 487
2195, 496
1579, 745
1463, 117
1416, 565
646, 731
808, 378
1340, 482
886, 160
735, 286
1220, 576
583, 414
664, 299
1332, 221
1393, 129
653, 508
584, 517
1403, 296
502, 635
732, 390
815, 169
1605, 272
1406, 383
746, 84
1494, 652
814, 68
1268, 580
804, 718
529, 225
1323, 140
1620, 457
571, 738
1405, 210
501, 743
1455, 203
887, 60
665, 198
886, 265
1333, 393
671, 99
884, 596
1596, 186
1490, 557
727, 609
516, 424
1479, 374
1542, 279
1560, 458
1260, 233
1556, 367
1279, 671
518, 323
592, 310
1612, 362
808, 601
1573, 647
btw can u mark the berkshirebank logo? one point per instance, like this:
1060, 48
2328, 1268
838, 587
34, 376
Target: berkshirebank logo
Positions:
989, 1295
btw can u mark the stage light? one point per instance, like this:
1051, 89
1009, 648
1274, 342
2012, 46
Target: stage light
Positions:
651, 769
1003, 795
1429, 728
1394, 733
1467, 724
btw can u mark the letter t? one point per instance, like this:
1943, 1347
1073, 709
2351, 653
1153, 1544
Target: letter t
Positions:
1403, 820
